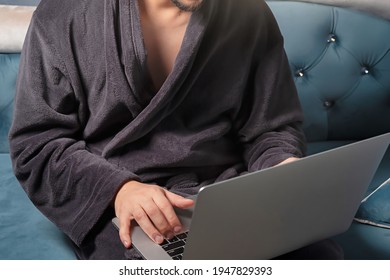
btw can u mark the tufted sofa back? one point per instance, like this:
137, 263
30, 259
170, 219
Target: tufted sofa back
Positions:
340, 59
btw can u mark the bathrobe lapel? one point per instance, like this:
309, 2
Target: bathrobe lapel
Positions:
149, 113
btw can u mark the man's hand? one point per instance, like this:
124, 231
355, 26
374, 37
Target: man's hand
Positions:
152, 207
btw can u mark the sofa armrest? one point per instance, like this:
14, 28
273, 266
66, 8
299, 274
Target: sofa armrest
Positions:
13, 27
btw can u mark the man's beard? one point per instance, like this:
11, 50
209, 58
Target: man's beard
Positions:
187, 7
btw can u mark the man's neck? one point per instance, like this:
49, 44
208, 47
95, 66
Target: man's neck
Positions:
163, 27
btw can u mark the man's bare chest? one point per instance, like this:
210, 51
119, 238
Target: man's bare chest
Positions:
162, 47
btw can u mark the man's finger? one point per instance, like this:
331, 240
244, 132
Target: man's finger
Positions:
178, 201
158, 218
124, 231
147, 226
166, 208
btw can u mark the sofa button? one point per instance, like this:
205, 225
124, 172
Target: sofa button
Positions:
328, 104
300, 73
365, 70
332, 38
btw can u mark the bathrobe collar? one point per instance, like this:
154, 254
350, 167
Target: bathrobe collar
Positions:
152, 109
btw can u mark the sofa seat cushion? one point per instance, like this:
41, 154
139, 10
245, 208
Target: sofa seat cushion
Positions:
25, 233
375, 208
363, 242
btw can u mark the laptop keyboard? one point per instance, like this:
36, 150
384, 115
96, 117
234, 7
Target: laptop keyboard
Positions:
175, 246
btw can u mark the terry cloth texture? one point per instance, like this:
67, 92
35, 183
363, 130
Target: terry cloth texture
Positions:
86, 120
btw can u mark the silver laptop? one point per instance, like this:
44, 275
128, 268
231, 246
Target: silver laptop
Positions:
270, 212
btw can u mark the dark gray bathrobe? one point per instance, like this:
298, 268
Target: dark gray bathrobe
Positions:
87, 119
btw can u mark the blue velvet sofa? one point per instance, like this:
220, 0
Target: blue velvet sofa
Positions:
340, 59
24, 232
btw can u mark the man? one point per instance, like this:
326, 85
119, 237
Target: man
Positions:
124, 107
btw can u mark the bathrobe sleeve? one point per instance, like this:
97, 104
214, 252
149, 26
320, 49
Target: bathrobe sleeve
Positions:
68, 184
270, 118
